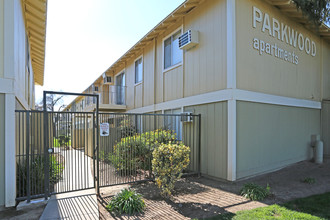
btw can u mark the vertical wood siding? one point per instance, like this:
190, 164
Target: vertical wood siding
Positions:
205, 65
213, 138
1, 39
326, 126
2, 149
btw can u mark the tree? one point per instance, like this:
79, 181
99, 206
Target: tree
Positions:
52, 100
317, 11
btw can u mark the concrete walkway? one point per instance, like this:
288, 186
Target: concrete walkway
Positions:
75, 205
80, 204
77, 173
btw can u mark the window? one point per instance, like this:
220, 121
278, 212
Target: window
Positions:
138, 70
172, 52
173, 123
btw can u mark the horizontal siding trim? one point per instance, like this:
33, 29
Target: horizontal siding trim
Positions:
230, 94
249, 96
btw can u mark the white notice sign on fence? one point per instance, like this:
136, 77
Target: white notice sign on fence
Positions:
104, 129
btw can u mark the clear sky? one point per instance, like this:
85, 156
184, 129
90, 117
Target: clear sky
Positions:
84, 37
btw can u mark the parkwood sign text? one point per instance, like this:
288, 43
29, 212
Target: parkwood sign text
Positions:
282, 32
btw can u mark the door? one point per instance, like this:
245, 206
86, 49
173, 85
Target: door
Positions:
120, 87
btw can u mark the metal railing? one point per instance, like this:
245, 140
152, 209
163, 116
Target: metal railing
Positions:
111, 95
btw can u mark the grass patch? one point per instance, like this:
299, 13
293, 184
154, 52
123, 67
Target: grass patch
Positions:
255, 192
318, 205
313, 208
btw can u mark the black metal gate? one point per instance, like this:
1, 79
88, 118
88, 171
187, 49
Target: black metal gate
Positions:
55, 151
65, 151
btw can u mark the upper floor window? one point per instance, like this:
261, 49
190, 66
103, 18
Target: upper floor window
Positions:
138, 70
172, 52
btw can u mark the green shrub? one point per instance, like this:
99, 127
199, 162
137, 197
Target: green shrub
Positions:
135, 152
308, 180
126, 128
126, 201
37, 174
253, 191
62, 140
168, 162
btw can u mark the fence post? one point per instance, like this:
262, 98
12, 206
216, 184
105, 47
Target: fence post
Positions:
46, 165
28, 188
199, 143
97, 146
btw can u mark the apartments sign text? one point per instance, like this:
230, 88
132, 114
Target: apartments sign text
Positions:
283, 33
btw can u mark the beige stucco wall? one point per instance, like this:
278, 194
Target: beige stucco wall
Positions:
272, 136
267, 73
2, 149
213, 138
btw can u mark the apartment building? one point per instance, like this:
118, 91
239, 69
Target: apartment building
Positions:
255, 70
22, 53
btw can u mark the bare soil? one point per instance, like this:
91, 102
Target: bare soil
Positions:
196, 197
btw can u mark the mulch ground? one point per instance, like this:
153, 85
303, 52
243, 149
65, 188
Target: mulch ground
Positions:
196, 197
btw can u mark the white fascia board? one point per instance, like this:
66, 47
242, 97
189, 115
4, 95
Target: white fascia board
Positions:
10, 162
211, 97
249, 96
231, 153
229, 94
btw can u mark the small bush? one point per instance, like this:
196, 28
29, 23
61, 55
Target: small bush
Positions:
126, 201
168, 162
308, 180
62, 140
37, 174
126, 128
135, 152
253, 191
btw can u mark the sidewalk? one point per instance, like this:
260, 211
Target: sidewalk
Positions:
74, 205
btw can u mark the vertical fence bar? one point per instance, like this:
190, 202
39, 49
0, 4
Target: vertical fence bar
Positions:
28, 189
46, 170
93, 145
199, 143
97, 145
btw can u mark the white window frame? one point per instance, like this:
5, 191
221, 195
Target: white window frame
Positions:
115, 76
138, 83
180, 122
115, 80
163, 51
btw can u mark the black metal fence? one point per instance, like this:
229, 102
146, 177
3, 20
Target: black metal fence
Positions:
126, 153
60, 152
65, 164
30, 160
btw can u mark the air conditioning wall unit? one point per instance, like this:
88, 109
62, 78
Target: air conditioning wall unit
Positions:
107, 79
186, 117
188, 40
